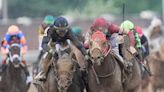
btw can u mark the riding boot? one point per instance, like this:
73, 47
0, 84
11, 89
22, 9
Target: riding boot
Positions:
45, 62
126, 64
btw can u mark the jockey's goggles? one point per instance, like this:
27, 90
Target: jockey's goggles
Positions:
61, 31
61, 28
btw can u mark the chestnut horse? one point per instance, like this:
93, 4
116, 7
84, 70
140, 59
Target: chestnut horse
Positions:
104, 74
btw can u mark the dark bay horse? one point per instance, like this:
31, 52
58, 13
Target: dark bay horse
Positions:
133, 81
63, 75
104, 74
13, 76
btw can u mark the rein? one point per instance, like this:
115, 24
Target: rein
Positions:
104, 76
108, 48
110, 74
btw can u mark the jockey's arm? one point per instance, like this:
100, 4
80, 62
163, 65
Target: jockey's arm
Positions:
113, 28
40, 30
23, 43
46, 42
4, 44
77, 43
4, 48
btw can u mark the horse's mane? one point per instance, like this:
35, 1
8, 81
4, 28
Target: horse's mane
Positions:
65, 62
64, 56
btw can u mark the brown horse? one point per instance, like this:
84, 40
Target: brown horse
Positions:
63, 75
13, 77
134, 79
104, 74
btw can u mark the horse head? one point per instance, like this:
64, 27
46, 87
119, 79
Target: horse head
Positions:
64, 72
99, 47
15, 54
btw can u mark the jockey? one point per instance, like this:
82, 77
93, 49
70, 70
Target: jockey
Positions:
14, 35
155, 28
47, 22
110, 30
144, 41
156, 34
57, 34
135, 41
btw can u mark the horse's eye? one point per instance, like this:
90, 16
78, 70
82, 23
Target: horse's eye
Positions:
99, 57
104, 43
72, 67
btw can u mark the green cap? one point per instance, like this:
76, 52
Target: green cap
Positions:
49, 20
76, 30
127, 25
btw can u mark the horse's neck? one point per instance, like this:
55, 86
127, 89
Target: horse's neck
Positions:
14, 72
106, 67
124, 49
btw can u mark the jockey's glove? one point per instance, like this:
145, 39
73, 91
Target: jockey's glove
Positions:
52, 51
87, 57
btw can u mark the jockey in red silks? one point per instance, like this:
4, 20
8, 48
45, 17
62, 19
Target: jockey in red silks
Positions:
111, 31
14, 35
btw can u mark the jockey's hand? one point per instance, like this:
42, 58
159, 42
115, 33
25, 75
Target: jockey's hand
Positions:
51, 51
132, 50
87, 57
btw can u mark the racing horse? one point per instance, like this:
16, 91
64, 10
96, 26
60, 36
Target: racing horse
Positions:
133, 80
104, 73
13, 77
63, 74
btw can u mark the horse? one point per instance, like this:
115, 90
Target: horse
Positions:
133, 80
104, 72
156, 63
13, 76
64, 74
